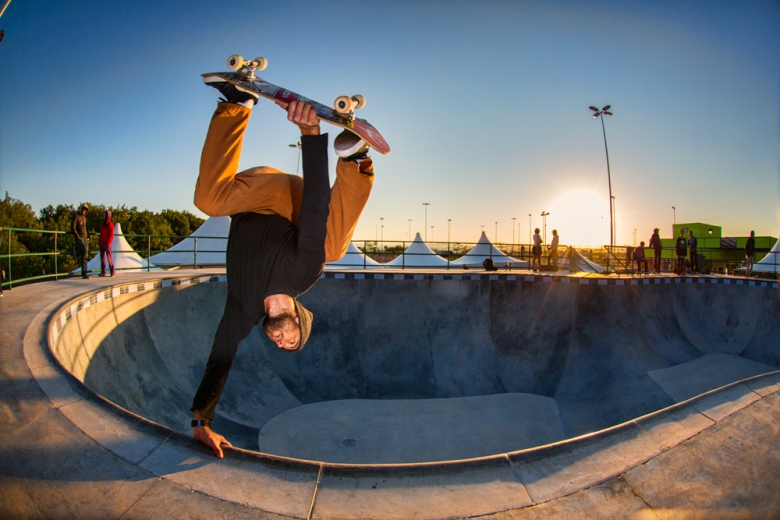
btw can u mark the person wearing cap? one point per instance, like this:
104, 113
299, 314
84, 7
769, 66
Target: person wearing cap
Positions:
79, 228
283, 229
655, 243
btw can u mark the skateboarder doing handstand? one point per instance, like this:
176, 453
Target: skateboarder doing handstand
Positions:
283, 229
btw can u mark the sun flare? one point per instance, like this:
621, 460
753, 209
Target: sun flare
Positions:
581, 218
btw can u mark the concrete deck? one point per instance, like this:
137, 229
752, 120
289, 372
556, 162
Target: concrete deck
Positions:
68, 453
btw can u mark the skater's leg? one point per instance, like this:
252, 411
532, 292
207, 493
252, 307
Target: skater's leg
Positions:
220, 191
348, 197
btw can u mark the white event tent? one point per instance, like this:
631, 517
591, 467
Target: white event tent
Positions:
124, 256
418, 255
484, 249
205, 246
354, 259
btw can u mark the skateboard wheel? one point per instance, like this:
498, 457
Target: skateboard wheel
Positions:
235, 62
261, 63
343, 104
359, 100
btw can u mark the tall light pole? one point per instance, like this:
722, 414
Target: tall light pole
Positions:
496, 232
449, 249
600, 114
298, 146
674, 222
382, 235
425, 228
530, 239
544, 226
410, 229
513, 235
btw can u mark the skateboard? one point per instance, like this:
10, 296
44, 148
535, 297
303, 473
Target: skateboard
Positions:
342, 114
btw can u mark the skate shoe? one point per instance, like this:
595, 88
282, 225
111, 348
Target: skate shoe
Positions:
232, 93
350, 147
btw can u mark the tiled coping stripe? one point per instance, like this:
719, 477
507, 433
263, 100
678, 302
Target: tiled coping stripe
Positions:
89, 299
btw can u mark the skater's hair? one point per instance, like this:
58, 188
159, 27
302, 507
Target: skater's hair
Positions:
278, 322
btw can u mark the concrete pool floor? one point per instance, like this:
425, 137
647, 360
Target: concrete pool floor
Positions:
66, 453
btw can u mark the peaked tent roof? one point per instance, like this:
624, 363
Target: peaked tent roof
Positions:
205, 246
573, 260
484, 249
354, 259
418, 255
123, 255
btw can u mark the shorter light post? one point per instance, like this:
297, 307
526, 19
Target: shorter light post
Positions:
298, 146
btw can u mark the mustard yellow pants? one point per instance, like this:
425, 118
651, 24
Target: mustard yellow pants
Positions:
221, 191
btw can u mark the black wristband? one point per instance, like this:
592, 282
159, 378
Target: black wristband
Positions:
200, 422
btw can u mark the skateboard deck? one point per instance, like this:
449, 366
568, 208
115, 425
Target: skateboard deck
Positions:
360, 127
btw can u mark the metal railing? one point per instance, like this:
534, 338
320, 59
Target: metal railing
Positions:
57, 258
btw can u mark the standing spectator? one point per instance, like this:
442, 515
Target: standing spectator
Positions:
693, 251
79, 228
655, 243
104, 243
750, 250
536, 260
640, 258
681, 248
553, 247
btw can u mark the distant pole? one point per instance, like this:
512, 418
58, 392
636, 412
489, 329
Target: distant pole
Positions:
496, 238
425, 227
600, 114
382, 231
409, 236
530, 240
432, 234
674, 221
298, 146
513, 235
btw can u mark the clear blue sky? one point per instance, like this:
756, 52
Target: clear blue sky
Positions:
484, 103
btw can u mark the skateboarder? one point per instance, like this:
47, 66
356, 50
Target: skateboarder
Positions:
655, 243
283, 229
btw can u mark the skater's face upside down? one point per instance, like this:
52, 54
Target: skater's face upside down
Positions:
283, 329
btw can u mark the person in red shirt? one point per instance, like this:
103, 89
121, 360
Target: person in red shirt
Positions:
104, 243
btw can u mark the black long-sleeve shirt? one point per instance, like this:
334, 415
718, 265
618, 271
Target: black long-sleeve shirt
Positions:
267, 255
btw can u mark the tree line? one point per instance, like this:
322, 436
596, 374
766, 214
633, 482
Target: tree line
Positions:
165, 227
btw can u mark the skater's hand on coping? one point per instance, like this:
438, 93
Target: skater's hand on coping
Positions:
305, 116
211, 439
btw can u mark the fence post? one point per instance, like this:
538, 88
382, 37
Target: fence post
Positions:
56, 271
10, 273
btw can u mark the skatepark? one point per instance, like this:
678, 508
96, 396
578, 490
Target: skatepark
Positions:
419, 395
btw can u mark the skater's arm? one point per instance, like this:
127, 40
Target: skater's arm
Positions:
208, 436
316, 185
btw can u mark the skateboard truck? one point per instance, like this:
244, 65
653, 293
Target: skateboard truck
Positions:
247, 67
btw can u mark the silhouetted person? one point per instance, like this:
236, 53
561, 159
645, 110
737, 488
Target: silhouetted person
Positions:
692, 247
640, 258
681, 248
655, 243
750, 250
